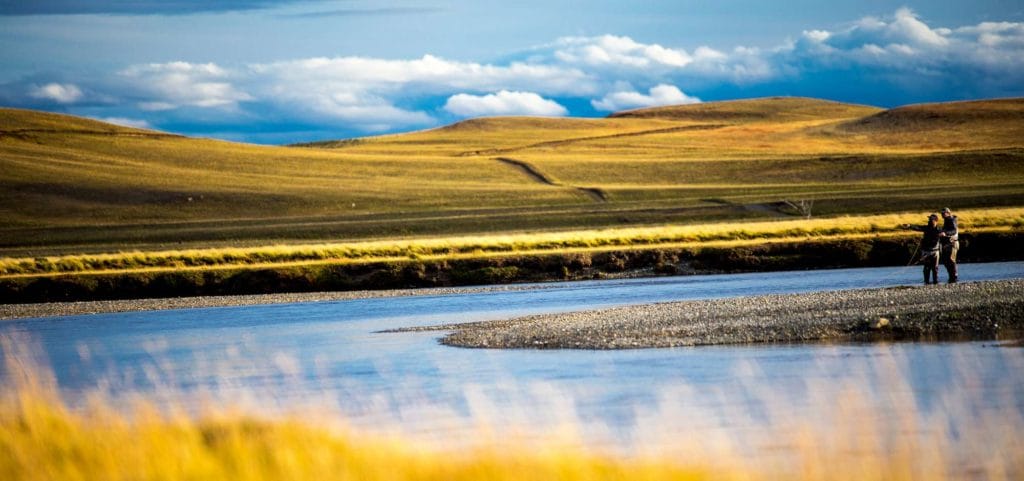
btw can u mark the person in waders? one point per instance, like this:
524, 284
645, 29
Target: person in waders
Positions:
929, 248
950, 240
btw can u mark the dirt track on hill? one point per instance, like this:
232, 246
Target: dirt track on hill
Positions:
536, 174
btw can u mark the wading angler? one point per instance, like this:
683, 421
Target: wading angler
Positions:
950, 240
929, 248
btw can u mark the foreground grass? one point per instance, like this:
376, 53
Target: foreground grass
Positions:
42, 439
719, 235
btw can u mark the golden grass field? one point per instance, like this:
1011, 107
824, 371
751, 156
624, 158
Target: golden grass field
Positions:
72, 185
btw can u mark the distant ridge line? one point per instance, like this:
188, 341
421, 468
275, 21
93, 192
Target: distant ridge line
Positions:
24, 132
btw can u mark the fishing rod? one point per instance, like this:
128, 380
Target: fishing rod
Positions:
913, 260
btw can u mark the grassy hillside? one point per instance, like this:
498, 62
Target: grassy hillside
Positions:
774, 109
71, 185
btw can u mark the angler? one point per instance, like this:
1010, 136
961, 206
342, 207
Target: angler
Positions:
929, 247
950, 240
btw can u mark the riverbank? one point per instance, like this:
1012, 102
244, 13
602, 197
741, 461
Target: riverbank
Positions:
50, 309
751, 255
975, 309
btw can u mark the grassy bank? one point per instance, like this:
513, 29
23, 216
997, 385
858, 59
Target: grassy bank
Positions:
837, 228
480, 269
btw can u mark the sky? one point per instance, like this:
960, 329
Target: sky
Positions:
285, 71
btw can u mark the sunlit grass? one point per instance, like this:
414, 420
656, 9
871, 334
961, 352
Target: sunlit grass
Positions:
729, 233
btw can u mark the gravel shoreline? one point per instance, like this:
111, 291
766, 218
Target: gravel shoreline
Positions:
974, 310
49, 309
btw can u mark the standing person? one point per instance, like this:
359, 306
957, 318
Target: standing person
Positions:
950, 239
929, 248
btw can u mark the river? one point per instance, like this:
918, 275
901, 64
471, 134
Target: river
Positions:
288, 356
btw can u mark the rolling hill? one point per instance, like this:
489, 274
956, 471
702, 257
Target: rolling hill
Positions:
774, 109
77, 185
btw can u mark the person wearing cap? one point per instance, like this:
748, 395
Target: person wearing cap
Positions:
929, 248
950, 240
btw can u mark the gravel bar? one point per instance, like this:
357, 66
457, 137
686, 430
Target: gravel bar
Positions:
969, 310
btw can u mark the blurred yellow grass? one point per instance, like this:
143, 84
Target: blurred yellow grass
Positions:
42, 439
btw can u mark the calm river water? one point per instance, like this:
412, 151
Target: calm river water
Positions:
330, 353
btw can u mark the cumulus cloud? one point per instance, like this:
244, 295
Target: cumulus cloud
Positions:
903, 28
618, 58
173, 85
503, 103
611, 50
662, 94
994, 34
904, 47
428, 74
126, 122
359, 111
57, 92
360, 91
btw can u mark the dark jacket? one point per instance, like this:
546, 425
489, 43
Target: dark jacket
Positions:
950, 228
930, 240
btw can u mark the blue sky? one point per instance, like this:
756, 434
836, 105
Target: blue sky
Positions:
280, 71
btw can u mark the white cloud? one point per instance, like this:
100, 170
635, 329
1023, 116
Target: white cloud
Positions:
903, 28
611, 50
428, 74
705, 54
817, 36
57, 92
987, 58
994, 34
658, 95
126, 122
361, 91
173, 85
907, 26
366, 113
503, 103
